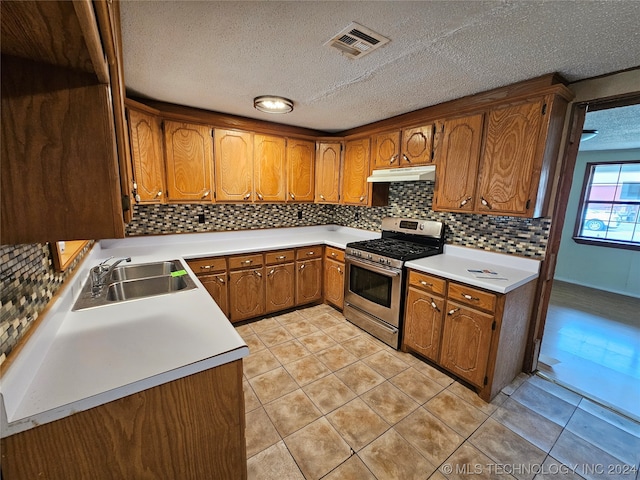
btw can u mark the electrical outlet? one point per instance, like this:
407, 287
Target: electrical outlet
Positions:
300, 215
357, 215
201, 218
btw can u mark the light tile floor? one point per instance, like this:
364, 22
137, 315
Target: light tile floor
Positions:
326, 400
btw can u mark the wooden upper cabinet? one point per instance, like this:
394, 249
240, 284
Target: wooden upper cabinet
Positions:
417, 146
328, 172
300, 170
269, 168
189, 157
355, 189
511, 160
386, 150
233, 165
458, 164
145, 134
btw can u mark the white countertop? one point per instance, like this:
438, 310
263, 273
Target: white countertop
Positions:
497, 272
78, 360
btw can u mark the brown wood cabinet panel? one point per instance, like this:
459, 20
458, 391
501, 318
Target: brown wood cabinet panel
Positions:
190, 428
428, 283
233, 165
269, 168
328, 168
511, 161
334, 254
423, 323
417, 146
334, 282
472, 296
458, 158
308, 281
59, 172
386, 150
466, 342
189, 160
280, 256
246, 294
355, 189
280, 287
301, 156
145, 133
309, 252
245, 261
216, 285
208, 265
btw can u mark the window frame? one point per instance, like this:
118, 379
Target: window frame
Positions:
601, 242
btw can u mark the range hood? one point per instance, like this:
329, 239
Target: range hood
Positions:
409, 174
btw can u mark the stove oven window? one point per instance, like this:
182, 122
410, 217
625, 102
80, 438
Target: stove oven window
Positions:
370, 285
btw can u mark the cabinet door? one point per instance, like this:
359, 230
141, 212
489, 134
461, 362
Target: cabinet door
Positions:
334, 283
216, 285
147, 156
189, 154
386, 150
423, 323
246, 294
233, 165
417, 145
510, 160
466, 342
328, 173
355, 190
308, 281
280, 283
269, 174
457, 171
300, 170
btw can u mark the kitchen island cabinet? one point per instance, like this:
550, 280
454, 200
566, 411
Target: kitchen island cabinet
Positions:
190, 428
189, 155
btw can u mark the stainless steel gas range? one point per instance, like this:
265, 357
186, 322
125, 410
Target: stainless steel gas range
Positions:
375, 274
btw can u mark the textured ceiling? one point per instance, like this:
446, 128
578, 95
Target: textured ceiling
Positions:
618, 128
220, 55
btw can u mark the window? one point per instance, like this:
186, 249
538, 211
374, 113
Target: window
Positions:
609, 206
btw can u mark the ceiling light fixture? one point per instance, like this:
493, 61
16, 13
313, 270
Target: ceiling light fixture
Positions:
273, 104
588, 135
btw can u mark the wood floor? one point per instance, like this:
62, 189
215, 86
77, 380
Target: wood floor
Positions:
591, 344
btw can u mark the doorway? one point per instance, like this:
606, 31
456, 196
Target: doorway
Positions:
591, 341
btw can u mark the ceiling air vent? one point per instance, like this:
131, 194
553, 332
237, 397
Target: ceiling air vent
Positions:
356, 41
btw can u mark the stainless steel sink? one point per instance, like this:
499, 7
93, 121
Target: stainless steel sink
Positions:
131, 282
145, 287
144, 270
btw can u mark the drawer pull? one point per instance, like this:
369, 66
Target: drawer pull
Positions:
281, 257
221, 280
434, 305
451, 312
247, 262
333, 254
205, 267
469, 297
302, 266
258, 274
310, 253
426, 284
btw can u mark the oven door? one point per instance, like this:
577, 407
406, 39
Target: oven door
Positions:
374, 289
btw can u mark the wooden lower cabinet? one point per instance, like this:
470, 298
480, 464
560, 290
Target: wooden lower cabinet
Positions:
308, 274
334, 277
212, 272
190, 428
280, 287
246, 294
477, 335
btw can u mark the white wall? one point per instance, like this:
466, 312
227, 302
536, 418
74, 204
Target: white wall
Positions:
611, 269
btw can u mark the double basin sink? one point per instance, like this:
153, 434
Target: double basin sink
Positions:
130, 282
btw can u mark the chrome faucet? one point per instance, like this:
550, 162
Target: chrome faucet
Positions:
101, 272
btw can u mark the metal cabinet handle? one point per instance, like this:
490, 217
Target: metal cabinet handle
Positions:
469, 297
247, 196
259, 274
362, 199
426, 284
322, 197
302, 266
333, 254
434, 305
205, 267
451, 312
260, 196
221, 280
293, 197
159, 194
310, 253
206, 194
485, 203
406, 159
271, 272
281, 257
340, 271
247, 262
393, 159
465, 201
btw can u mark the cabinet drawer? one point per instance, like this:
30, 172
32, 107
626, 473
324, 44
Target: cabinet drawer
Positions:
334, 254
245, 261
208, 265
281, 256
426, 282
472, 296
309, 252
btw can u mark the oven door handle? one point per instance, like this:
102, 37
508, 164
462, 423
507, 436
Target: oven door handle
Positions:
376, 268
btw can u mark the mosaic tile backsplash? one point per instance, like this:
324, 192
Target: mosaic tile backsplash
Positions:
29, 280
